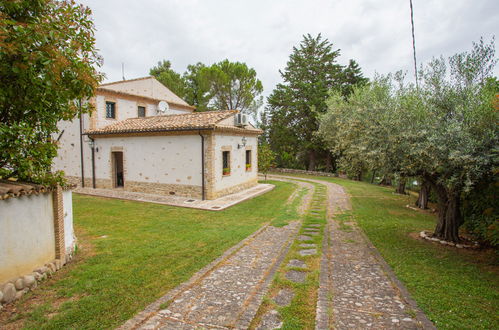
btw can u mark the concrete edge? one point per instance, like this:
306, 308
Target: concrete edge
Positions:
259, 193
145, 314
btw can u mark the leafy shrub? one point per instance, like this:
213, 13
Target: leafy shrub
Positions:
481, 212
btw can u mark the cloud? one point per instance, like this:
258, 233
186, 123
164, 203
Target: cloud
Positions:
261, 33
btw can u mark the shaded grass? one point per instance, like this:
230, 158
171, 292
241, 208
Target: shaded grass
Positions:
132, 253
457, 289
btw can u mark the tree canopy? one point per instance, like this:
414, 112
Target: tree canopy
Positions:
445, 132
221, 86
48, 60
294, 107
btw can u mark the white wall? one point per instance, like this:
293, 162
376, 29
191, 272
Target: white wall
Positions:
27, 236
125, 109
238, 173
68, 155
153, 159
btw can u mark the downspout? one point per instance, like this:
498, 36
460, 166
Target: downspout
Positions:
93, 161
81, 152
202, 167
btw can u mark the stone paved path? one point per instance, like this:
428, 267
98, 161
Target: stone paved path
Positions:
365, 292
228, 294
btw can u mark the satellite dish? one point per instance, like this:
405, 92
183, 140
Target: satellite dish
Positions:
163, 107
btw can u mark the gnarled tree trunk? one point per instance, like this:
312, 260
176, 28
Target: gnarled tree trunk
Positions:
424, 191
449, 214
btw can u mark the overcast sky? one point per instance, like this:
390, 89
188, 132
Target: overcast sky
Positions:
376, 33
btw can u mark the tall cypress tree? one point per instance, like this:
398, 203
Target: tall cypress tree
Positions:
295, 105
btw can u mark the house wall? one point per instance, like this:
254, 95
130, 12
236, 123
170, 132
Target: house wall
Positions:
68, 155
26, 235
124, 109
239, 177
153, 164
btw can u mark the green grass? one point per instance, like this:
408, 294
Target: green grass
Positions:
457, 289
132, 253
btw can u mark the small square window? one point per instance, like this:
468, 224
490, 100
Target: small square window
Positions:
141, 111
110, 110
248, 160
225, 162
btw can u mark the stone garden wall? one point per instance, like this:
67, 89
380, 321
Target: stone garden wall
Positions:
318, 173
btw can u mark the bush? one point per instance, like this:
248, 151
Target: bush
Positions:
480, 212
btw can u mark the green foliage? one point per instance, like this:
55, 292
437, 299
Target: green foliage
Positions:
294, 107
222, 86
266, 158
234, 86
168, 77
47, 60
481, 211
197, 92
445, 132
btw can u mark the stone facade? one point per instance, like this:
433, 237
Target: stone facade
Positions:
163, 189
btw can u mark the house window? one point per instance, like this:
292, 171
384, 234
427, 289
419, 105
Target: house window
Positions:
141, 111
248, 160
110, 110
226, 163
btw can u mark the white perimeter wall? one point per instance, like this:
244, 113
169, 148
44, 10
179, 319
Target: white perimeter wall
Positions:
27, 238
153, 159
238, 173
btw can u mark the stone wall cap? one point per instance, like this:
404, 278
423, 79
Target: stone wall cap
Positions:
12, 189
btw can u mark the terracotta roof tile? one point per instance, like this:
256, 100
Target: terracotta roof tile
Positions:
196, 120
10, 189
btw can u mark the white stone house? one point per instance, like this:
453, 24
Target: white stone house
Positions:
144, 138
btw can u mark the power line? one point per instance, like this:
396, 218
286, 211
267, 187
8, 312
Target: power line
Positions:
414, 45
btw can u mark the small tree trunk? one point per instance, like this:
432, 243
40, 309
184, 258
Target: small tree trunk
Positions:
422, 201
358, 177
401, 186
311, 160
373, 176
386, 181
328, 162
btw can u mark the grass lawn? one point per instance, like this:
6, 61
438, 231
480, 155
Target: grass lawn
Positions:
132, 253
457, 289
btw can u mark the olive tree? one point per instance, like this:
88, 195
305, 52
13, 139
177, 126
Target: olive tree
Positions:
445, 132
47, 61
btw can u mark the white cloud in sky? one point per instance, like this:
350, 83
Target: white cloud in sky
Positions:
376, 33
